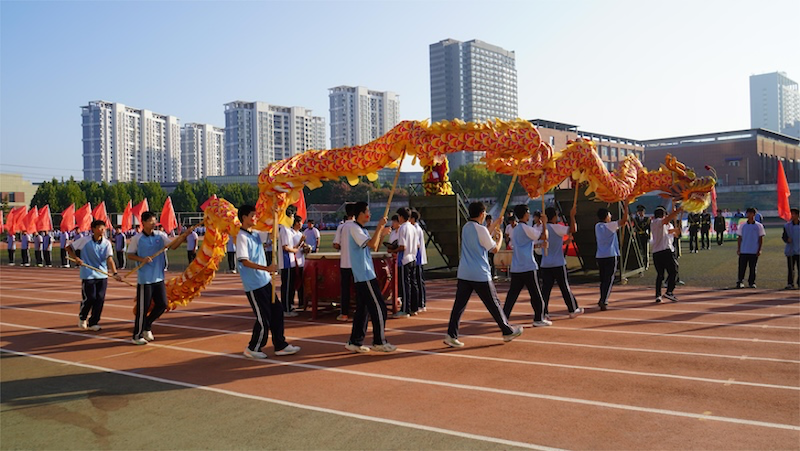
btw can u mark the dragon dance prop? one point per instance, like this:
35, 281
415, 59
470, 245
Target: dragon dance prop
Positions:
511, 147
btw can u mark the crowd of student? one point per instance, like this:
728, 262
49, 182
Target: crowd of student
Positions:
536, 241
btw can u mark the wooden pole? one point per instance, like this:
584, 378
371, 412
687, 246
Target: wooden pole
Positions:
159, 252
275, 237
508, 195
544, 248
101, 271
394, 185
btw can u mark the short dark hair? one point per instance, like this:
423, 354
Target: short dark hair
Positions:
415, 214
291, 210
310, 221
147, 215
537, 214
395, 218
795, 210
659, 212
404, 212
751, 210
359, 207
118, 226
245, 210
640, 207
298, 219
520, 211
602, 213
98, 223
475, 209
550, 212
348, 209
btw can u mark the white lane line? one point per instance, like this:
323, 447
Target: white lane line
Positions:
523, 340
484, 358
290, 404
451, 385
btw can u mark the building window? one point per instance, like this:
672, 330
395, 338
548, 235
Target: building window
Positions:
734, 163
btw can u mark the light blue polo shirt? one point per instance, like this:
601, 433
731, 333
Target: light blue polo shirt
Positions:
93, 253
607, 242
250, 247
750, 234
555, 246
360, 257
523, 237
793, 230
191, 241
145, 246
12, 242
475, 244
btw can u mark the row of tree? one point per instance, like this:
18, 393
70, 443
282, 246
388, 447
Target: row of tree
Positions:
476, 180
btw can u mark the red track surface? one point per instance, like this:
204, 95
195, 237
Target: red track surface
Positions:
719, 370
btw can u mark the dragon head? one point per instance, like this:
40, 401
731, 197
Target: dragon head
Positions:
693, 193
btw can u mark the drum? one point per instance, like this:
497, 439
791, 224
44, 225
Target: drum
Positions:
323, 285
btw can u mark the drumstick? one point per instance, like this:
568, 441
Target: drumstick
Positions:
394, 185
100, 271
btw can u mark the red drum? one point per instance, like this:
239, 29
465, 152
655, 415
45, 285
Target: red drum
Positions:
323, 286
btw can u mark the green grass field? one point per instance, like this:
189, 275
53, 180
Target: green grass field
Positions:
715, 268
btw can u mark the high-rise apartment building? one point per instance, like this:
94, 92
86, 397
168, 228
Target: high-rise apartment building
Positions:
257, 133
472, 81
775, 103
360, 115
202, 151
123, 144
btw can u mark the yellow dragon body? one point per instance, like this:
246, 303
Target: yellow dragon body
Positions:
510, 146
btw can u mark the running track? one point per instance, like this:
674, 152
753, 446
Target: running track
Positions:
718, 370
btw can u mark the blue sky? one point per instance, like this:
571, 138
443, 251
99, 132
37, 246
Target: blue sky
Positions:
636, 69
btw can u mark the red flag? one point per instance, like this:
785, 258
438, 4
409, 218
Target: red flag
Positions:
29, 224
205, 204
783, 194
168, 217
68, 219
99, 212
713, 201
15, 217
301, 206
140, 208
127, 218
45, 221
83, 218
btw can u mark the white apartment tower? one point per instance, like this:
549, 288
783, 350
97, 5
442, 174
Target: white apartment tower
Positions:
360, 115
202, 151
257, 133
123, 144
472, 81
775, 103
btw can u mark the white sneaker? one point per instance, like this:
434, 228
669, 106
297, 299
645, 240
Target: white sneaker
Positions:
671, 297
291, 314
358, 349
787, 287
254, 354
148, 335
542, 323
342, 318
658, 299
95, 328
83, 324
547, 317
139, 341
578, 311
401, 315
386, 347
517, 331
288, 350
453, 342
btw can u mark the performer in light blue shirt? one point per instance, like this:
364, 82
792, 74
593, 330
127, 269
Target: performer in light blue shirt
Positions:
257, 282
474, 274
751, 238
150, 288
369, 299
524, 267
554, 265
12, 248
95, 251
605, 232
791, 236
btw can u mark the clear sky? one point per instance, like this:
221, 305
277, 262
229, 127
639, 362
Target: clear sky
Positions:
636, 69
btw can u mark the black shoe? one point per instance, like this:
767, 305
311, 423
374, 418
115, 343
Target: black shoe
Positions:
603, 307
